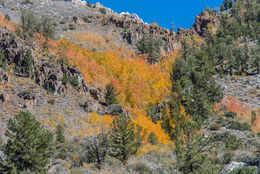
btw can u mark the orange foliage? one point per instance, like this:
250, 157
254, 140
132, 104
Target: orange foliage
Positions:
10, 25
138, 82
140, 118
232, 104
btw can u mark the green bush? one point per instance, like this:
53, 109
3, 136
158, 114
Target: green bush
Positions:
231, 141
103, 11
62, 22
72, 27
7, 17
65, 79
141, 168
86, 19
214, 126
74, 81
230, 114
239, 126
245, 170
227, 157
51, 101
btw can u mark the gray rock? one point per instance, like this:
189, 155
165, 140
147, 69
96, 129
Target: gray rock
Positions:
115, 110
233, 165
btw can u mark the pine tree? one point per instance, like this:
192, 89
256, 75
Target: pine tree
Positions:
28, 147
111, 94
192, 158
59, 134
152, 139
2, 60
123, 139
28, 62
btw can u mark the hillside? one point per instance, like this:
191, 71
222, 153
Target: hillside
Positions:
185, 102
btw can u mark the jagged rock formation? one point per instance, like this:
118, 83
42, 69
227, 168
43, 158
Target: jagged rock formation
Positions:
132, 27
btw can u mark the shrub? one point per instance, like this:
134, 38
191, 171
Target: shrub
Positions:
65, 79
244, 170
230, 114
51, 101
86, 19
239, 126
74, 81
62, 22
227, 157
59, 134
214, 126
103, 11
7, 17
64, 60
72, 27
141, 168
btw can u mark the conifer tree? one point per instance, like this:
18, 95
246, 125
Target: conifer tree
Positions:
2, 59
192, 158
59, 134
28, 147
111, 94
152, 139
123, 139
28, 62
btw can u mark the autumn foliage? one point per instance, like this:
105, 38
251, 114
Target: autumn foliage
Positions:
138, 82
10, 25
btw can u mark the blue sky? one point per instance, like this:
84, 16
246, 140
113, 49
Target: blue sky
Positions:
181, 13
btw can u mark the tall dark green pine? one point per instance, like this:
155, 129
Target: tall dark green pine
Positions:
193, 159
60, 134
28, 62
111, 94
123, 140
28, 147
2, 60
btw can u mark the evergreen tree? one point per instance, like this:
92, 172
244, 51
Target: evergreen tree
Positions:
152, 139
30, 23
2, 60
151, 46
59, 134
111, 94
123, 139
192, 158
28, 62
28, 147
